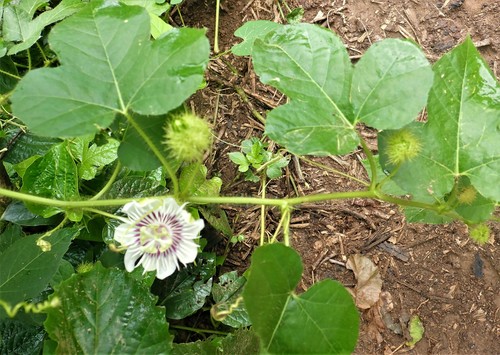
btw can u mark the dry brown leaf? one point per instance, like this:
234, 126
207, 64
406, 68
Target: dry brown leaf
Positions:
369, 285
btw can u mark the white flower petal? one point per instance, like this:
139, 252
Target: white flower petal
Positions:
192, 230
186, 252
131, 256
136, 210
123, 234
149, 262
167, 267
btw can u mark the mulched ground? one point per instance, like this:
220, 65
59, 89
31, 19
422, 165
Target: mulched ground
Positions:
432, 271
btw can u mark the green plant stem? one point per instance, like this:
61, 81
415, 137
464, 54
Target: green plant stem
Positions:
105, 214
157, 152
244, 97
4, 98
29, 59
335, 171
109, 183
59, 226
287, 214
46, 61
371, 161
281, 10
263, 212
278, 228
180, 15
286, 5
198, 330
3, 72
61, 203
283, 203
216, 37
417, 204
268, 163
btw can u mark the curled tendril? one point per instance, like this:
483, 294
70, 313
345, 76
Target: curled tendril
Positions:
220, 315
29, 307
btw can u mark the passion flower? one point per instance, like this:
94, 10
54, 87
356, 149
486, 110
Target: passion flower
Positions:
157, 235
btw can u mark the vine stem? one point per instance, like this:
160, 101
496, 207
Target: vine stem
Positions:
10, 74
283, 203
263, 212
105, 214
335, 171
371, 161
109, 183
198, 330
216, 36
156, 151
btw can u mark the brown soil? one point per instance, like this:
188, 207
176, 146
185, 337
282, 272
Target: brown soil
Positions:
434, 272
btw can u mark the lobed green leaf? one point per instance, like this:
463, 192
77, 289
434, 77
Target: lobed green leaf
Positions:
461, 135
311, 66
390, 84
114, 69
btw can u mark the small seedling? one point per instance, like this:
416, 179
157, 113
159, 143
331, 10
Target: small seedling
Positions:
254, 160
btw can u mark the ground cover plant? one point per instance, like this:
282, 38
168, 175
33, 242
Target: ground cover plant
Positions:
109, 144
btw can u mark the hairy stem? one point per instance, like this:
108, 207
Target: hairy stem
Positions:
263, 212
371, 161
109, 183
334, 171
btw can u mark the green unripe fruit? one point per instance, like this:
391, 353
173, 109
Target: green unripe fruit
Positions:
467, 195
188, 137
402, 146
84, 267
480, 233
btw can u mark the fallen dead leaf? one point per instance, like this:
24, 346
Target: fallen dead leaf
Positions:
369, 285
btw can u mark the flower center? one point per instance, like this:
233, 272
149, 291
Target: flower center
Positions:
156, 238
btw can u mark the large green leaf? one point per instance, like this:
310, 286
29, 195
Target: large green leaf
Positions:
323, 320
390, 84
53, 176
311, 66
115, 68
26, 269
110, 313
462, 134
20, 28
